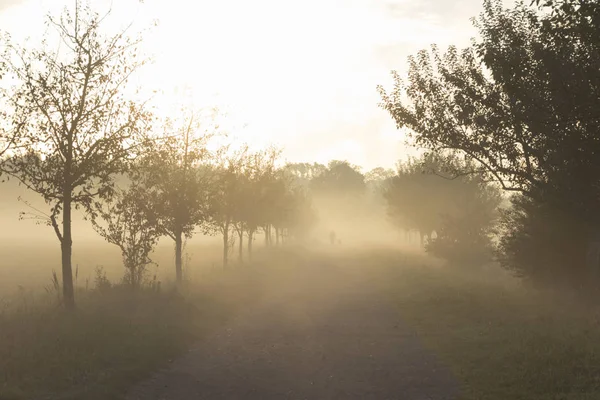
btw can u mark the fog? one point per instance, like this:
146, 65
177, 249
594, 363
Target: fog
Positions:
364, 199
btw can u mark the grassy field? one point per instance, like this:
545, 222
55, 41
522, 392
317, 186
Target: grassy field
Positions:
115, 338
501, 339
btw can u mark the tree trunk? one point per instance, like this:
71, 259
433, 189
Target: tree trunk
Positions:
422, 238
66, 246
178, 248
241, 245
276, 236
250, 240
268, 235
225, 243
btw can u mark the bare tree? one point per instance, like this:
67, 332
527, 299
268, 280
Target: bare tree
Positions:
79, 128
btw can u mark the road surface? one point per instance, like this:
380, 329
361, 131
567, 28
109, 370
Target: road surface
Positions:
322, 332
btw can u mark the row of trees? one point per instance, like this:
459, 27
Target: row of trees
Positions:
71, 134
177, 188
522, 103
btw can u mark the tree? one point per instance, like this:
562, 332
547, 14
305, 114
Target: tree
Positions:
260, 175
341, 179
462, 211
175, 167
10, 125
417, 199
522, 101
129, 220
79, 129
226, 195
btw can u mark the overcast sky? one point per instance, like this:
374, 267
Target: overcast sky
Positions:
300, 74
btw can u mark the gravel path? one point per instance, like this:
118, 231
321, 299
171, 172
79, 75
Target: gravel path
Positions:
321, 333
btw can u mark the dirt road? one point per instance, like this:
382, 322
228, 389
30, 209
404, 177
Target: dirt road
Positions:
322, 332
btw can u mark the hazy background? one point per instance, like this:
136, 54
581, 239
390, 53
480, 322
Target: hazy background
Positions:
301, 74
298, 74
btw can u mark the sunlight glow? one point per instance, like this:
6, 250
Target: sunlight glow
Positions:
289, 73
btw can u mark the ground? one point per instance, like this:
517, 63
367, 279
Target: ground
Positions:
348, 323
323, 331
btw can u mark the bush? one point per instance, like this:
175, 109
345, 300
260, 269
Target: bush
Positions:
544, 245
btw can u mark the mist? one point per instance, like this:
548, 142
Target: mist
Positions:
225, 200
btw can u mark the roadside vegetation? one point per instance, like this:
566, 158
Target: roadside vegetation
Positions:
501, 339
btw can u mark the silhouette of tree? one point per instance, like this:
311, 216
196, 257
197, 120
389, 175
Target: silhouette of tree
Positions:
462, 211
129, 220
79, 129
226, 195
340, 178
175, 168
522, 101
10, 125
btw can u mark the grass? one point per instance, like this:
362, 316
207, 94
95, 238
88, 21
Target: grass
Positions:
115, 338
502, 340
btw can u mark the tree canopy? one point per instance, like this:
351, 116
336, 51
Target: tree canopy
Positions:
522, 102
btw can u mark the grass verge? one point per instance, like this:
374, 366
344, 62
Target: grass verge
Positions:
115, 338
502, 340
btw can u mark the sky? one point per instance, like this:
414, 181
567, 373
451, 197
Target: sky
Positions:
298, 74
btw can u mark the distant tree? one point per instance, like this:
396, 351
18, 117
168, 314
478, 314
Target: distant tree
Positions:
226, 195
260, 175
176, 168
340, 178
129, 220
79, 129
300, 216
376, 182
462, 211
378, 175
305, 171
417, 198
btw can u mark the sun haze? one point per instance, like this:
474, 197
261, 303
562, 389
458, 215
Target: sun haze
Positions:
294, 73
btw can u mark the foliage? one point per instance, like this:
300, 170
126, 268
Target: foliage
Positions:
460, 210
522, 101
78, 129
129, 220
175, 168
341, 179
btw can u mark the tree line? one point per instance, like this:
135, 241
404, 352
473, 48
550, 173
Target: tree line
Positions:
511, 117
71, 134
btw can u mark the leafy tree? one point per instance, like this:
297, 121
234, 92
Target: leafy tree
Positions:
461, 210
129, 220
417, 199
300, 216
522, 101
79, 128
175, 168
226, 195
260, 175
305, 171
340, 178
